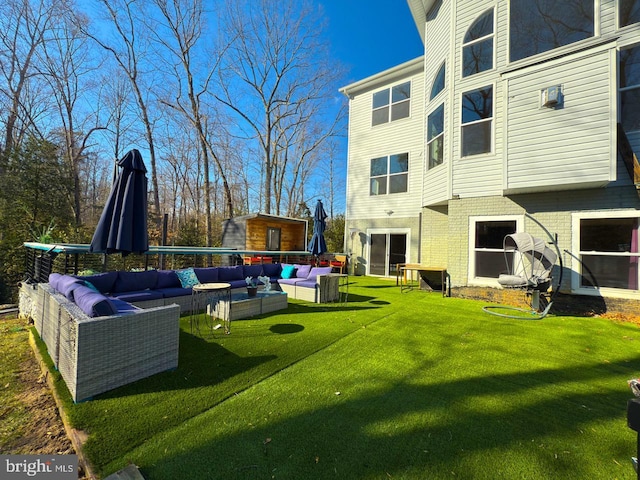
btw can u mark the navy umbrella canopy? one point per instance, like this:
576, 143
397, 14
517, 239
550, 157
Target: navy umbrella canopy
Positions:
317, 245
122, 227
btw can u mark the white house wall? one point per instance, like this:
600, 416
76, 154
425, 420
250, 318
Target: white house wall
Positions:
478, 175
437, 181
569, 145
367, 142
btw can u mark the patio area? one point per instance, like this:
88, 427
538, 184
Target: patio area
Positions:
389, 385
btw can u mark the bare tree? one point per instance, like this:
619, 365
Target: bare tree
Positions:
65, 63
274, 77
127, 55
23, 28
184, 20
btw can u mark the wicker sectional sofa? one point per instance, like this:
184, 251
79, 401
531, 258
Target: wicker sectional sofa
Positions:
109, 329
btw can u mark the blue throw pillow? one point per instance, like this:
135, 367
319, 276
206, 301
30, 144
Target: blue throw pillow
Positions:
288, 271
187, 277
91, 286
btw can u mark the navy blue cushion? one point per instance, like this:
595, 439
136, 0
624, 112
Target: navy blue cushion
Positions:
122, 306
237, 283
135, 281
102, 281
167, 279
92, 303
252, 271
226, 274
207, 275
173, 292
272, 270
139, 296
53, 280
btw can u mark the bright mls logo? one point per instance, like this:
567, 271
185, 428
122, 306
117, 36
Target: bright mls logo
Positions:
45, 467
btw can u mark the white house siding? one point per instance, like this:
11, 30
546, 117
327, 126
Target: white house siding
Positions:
437, 184
367, 142
557, 148
478, 175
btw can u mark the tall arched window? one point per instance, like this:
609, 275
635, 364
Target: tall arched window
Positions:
477, 49
438, 83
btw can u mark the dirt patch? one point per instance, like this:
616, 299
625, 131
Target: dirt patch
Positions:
44, 434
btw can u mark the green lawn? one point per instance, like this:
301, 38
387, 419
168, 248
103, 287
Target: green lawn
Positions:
403, 386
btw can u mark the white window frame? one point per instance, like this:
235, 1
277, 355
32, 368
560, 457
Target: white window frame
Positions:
441, 135
576, 264
388, 175
472, 279
478, 40
475, 122
391, 103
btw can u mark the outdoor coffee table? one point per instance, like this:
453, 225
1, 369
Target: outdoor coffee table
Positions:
243, 306
209, 297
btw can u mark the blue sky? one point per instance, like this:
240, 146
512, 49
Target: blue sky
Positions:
370, 36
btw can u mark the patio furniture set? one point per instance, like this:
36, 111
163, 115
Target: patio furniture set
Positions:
109, 329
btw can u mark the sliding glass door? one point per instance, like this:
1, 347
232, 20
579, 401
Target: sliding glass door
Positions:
386, 250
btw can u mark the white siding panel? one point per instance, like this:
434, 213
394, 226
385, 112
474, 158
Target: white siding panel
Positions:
437, 186
367, 142
479, 175
547, 146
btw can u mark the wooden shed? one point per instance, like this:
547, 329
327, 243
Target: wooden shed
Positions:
263, 232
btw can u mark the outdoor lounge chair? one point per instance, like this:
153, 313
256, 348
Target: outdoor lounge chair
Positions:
530, 264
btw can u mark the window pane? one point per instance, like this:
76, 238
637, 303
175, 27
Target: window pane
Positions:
481, 27
629, 12
380, 116
607, 271
401, 92
538, 26
477, 57
609, 235
398, 183
476, 138
378, 166
438, 83
378, 186
435, 123
629, 67
399, 163
630, 109
436, 152
491, 234
400, 110
477, 104
381, 99
490, 264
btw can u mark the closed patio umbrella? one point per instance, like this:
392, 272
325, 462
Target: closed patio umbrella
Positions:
122, 227
317, 245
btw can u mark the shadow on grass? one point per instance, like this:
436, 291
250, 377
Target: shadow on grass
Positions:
286, 328
410, 430
200, 363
